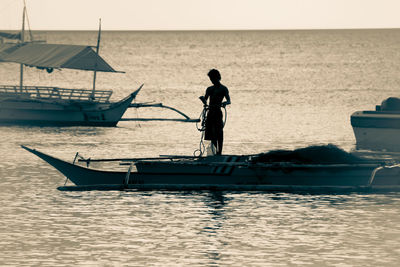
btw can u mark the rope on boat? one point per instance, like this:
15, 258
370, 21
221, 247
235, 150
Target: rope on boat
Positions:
201, 128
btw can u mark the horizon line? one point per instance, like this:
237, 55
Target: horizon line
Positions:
208, 30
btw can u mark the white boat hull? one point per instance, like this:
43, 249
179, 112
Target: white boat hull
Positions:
377, 138
27, 111
376, 130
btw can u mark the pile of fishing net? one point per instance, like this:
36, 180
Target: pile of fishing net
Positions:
324, 154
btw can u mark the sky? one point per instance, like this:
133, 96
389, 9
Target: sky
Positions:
200, 14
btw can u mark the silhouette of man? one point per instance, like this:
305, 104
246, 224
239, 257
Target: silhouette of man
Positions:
214, 124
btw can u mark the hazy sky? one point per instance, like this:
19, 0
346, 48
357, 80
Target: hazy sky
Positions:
201, 14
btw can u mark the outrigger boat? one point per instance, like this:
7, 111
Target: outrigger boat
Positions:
54, 106
271, 171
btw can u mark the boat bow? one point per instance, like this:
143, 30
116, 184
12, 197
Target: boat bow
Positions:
80, 175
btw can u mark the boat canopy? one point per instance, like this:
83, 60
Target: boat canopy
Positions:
6, 49
54, 56
16, 36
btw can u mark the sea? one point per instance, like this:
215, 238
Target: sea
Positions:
289, 89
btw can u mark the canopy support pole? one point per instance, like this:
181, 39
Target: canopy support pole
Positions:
21, 72
95, 64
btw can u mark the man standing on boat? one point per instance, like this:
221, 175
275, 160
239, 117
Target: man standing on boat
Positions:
214, 124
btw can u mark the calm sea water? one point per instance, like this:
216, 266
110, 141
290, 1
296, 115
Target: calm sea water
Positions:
289, 89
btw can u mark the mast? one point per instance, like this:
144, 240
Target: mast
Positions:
21, 77
95, 64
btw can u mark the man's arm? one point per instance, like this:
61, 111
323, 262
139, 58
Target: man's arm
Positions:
207, 95
205, 98
228, 98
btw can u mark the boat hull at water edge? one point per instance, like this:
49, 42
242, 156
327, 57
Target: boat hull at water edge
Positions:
62, 113
376, 130
205, 174
377, 139
80, 175
277, 174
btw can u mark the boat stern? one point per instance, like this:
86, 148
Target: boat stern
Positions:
376, 130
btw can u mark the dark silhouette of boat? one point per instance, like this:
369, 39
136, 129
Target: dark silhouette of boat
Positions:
228, 172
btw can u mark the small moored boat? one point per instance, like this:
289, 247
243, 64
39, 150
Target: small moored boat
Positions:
270, 171
378, 129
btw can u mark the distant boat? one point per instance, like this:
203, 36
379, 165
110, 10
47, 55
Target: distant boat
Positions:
39, 105
378, 129
54, 106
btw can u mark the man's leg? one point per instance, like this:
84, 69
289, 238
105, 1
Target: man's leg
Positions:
220, 143
214, 142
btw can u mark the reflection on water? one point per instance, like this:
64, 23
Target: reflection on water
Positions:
52, 228
215, 201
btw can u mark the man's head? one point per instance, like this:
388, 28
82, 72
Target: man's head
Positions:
215, 76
